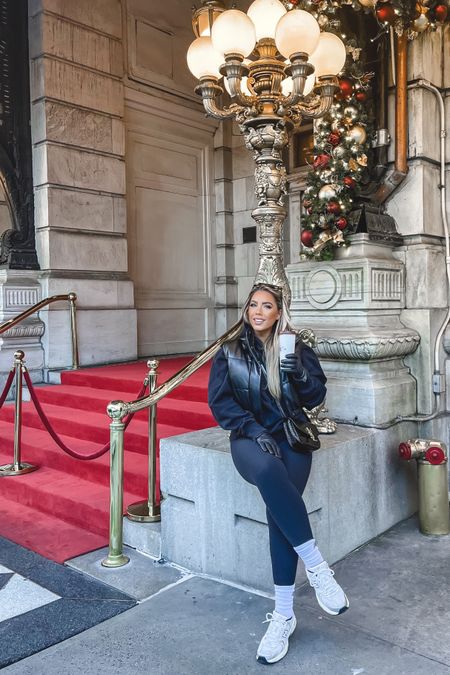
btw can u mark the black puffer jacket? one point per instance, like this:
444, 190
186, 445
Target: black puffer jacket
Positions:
238, 394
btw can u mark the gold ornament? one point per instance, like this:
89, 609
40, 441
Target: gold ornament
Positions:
368, 3
327, 191
362, 160
321, 241
357, 134
353, 165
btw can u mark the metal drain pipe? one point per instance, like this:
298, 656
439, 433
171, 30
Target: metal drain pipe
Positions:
438, 381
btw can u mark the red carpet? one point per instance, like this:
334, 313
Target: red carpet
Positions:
62, 510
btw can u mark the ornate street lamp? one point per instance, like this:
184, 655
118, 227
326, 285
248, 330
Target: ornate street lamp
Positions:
278, 68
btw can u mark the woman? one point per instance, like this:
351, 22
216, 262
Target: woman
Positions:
251, 393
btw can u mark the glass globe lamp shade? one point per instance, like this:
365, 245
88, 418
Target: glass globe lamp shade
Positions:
203, 60
265, 15
233, 32
329, 55
244, 88
204, 17
287, 85
297, 31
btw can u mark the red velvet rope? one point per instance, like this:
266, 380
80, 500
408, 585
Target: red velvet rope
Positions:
8, 383
52, 432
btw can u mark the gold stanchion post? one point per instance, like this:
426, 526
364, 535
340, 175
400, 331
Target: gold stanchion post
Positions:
73, 326
17, 468
149, 511
116, 557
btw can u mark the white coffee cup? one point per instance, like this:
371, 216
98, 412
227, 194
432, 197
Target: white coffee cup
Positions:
287, 343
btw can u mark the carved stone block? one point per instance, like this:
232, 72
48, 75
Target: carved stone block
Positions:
71, 83
75, 168
59, 250
76, 210
104, 14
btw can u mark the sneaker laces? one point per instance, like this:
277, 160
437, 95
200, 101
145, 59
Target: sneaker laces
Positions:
323, 579
278, 628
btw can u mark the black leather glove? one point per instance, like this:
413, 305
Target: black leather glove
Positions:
292, 364
268, 444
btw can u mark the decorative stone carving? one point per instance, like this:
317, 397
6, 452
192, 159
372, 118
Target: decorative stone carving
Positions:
353, 305
368, 348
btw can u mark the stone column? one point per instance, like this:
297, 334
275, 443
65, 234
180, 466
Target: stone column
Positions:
79, 176
225, 282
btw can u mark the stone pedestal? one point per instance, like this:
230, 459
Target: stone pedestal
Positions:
353, 304
213, 522
19, 290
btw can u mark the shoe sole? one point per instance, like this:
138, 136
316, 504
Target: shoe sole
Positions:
281, 655
333, 612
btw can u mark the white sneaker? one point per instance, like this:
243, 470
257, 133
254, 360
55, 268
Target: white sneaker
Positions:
329, 594
275, 642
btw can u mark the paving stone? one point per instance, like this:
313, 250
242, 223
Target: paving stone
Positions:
398, 586
201, 627
140, 578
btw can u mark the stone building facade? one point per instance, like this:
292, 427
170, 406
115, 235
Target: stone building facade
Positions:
142, 207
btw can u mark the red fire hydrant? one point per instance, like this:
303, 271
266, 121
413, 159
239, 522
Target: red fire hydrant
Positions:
432, 474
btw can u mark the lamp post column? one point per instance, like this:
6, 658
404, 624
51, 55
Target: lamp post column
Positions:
267, 137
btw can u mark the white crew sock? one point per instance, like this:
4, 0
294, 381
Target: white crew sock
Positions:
309, 553
284, 600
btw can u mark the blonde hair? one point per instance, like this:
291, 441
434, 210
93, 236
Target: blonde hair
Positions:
272, 344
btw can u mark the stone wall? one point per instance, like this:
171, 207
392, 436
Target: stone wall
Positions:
79, 176
416, 208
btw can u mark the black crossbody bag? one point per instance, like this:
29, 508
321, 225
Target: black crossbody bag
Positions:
301, 436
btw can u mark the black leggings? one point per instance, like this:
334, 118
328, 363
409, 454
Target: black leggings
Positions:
281, 483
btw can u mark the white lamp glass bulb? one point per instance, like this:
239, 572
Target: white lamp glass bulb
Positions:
265, 15
203, 60
244, 87
329, 56
309, 84
287, 85
297, 31
233, 32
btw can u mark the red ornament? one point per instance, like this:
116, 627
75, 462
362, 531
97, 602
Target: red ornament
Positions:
346, 87
361, 96
321, 161
334, 208
309, 211
341, 223
386, 13
307, 238
334, 138
441, 12
349, 182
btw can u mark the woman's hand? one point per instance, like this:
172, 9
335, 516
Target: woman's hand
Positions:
292, 364
269, 444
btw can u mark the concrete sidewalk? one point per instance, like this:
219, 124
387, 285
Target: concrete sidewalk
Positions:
398, 621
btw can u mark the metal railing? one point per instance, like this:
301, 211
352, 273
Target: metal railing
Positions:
71, 298
17, 468
149, 510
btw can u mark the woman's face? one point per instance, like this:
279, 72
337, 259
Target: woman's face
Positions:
262, 313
